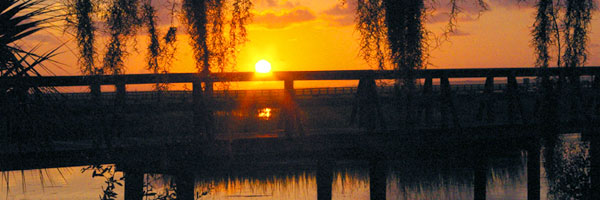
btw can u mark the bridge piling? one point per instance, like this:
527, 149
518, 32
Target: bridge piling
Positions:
594, 138
134, 185
485, 112
447, 107
445, 92
377, 179
197, 106
366, 107
514, 103
427, 102
120, 94
480, 170
596, 89
185, 186
95, 91
324, 179
289, 111
201, 112
533, 170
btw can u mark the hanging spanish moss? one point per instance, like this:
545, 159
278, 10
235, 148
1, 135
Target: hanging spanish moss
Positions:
406, 37
154, 49
577, 19
169, 41
149, 20
542, 32
371, 26
393, 32
80, 16
121, 21
562, 23
215, 39
169, 48
206, 20
455, 10
238, 35
195, 16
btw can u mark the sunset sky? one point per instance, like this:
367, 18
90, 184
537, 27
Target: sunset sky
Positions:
299, 35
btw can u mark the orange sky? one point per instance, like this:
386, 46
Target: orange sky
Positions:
319, 35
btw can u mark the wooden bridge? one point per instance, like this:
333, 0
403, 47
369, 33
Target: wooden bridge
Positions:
435, 103
439, 102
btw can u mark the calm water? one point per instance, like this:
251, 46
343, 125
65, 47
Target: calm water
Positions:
405, 179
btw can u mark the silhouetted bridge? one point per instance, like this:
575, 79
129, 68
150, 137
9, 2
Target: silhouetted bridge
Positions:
441, 102
437, 105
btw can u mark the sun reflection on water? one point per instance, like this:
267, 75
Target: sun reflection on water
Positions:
264, 113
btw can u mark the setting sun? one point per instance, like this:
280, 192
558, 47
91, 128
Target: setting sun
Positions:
263, 66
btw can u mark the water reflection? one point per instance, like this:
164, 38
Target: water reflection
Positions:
292, 185
350, 181
567, 164
160, 187
68, 183
565, 175
264, 114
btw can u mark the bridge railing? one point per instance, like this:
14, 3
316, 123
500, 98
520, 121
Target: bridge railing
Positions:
49, 81
202, 84
179, 96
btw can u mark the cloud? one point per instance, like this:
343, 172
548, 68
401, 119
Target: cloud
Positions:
444, 17
344, 14
341, 14
459, 33
276, 4
284, 18
470, 10
513, 3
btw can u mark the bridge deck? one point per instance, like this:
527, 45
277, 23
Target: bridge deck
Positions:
178, 120
337, 144
291, 75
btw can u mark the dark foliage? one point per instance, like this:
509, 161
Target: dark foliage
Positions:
81, 17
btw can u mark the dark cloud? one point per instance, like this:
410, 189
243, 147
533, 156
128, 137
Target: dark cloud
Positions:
341, 14
344, 14
459, 33
284, 18
470, 10
513, 3
472, 6
277, 4
444, 17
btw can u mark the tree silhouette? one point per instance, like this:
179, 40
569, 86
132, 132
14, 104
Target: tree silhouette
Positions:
393, 33
19, 19
121, 21
561, 24
578, 16
160, 53
543, 32
80, 16
206, 21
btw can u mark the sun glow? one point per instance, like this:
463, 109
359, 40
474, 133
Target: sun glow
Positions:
263, 66
264, 113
